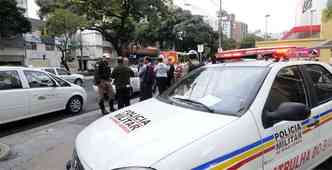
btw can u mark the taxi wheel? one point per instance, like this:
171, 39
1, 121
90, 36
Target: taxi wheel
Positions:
78, 82
74, 105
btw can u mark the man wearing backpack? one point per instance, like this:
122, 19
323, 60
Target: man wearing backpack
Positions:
147, 76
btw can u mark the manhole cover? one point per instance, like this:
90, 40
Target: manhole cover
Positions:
4, 151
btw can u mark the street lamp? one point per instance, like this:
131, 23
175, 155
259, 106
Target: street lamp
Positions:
266, 22
311, 20
81, 50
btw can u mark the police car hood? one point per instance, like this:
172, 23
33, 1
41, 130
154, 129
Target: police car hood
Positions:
144, 133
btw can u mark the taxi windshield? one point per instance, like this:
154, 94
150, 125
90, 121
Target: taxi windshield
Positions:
223, 90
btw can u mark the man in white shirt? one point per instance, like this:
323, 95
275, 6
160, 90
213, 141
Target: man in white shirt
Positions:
161, 71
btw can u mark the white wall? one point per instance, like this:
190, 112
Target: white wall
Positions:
52, 58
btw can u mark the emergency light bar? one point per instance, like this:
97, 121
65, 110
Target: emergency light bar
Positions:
276, 53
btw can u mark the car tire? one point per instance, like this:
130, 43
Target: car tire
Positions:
78, 82
74, 105
4, 151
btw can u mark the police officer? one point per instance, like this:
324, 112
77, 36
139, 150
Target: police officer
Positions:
121, 75
103, 82
193, 62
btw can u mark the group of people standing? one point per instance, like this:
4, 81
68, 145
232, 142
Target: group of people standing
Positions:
121, 75
152, 75
160, 74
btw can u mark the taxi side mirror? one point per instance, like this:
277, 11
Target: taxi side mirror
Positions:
288, 111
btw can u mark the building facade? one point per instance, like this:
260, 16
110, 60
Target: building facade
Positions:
310, 30
93, 47
228, 21
240, 31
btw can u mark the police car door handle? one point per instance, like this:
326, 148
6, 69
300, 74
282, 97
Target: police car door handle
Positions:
313, 123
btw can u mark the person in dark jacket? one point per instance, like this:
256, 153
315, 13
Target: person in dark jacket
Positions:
103, 82
121, 75
170, 73
147, 77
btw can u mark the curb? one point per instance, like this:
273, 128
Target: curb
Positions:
4, 151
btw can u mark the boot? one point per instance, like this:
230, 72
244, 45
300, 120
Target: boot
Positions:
102, 107
111, 103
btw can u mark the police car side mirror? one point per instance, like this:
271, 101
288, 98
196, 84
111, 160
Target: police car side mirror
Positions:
288, 111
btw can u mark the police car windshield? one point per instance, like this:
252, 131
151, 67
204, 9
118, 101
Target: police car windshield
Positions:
225, 90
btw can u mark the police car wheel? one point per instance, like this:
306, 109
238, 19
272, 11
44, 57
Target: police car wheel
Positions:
74, 105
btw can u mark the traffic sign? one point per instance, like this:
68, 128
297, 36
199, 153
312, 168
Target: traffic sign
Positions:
200, 48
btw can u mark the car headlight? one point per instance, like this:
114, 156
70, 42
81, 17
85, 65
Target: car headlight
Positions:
134, 168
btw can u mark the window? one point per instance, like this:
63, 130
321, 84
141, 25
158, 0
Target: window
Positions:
322, 82
9, 80
213, 88
61, 82
31, 45
38, 79
50, 70
49, 47
62, 72
287, 87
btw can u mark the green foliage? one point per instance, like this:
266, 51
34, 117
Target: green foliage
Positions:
327, 14
12, 21
250, 41
63, 23
117, 19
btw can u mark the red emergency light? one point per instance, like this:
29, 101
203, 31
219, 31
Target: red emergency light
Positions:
282, 52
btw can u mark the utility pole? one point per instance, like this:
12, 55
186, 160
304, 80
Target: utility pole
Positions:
266, 24
81, 50
220, 24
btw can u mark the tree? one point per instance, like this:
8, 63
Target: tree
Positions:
327, 13
63, 23
250, 41
191, 30
115, 19
12, 21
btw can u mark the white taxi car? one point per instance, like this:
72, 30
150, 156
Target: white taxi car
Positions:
247, 115
62, 73
26, 92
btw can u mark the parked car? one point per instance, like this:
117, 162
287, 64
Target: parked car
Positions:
63, 73
26, 92
247, 115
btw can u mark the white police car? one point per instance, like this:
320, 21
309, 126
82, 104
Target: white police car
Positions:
247, 115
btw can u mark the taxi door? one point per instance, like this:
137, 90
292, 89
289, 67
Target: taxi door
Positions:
291, 144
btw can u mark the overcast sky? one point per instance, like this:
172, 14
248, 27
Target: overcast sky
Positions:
251, 12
